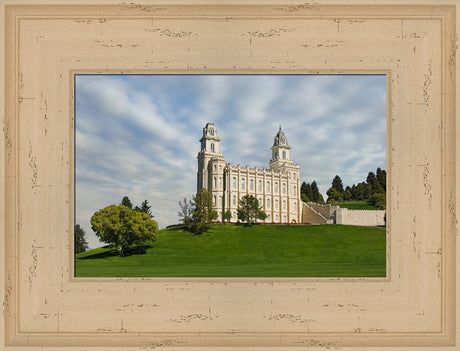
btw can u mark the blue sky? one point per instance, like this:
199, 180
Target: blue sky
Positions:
138, 135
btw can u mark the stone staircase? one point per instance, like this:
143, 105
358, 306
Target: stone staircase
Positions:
312, 216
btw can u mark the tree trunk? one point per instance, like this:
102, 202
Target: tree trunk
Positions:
120, 250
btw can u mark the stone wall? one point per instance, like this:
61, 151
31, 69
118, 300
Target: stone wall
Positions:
359, 217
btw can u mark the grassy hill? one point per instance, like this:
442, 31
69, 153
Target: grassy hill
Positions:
238, 251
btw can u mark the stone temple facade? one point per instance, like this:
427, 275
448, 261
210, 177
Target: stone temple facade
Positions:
277, 188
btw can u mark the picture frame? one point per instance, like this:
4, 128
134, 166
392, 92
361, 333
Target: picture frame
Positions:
413, 42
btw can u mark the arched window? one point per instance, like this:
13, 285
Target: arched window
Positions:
276, 187
268, 203
284, 155
215, 200
277, 218
234, 182
276, 204
269, 218
211, 131
284, 219
215, 182
234, 199
243, 183
295, 190
260, 201
268, 187
251, 184
260, 185
284, 204
220, 182
212, 147
284, 188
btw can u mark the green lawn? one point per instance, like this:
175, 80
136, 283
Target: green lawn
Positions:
355, 205
238, 251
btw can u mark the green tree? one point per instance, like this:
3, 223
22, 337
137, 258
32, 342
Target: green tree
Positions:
203, 212
249, 210
381, 176
316, 195
347, 194
227, 216
122, 227
304, 198
337, 184
333, 195
80, 244
378, 200
145, 207
126, 202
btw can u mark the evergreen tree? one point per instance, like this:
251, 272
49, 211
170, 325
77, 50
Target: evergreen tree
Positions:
126, 202
80, 244
337, 184
145, 207
382, 178
316, 196
306, 192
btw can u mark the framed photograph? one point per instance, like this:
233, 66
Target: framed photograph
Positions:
47, 45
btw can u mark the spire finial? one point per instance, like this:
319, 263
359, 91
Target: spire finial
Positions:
280, 128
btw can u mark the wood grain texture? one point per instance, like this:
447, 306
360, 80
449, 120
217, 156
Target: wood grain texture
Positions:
414, 43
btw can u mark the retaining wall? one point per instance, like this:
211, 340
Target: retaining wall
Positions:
359, 217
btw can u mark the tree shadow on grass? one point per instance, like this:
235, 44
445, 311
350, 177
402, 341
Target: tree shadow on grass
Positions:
130, 251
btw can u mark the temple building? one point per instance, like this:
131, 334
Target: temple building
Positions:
277, 188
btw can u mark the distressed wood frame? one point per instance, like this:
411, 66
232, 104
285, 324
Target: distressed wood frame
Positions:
46, 42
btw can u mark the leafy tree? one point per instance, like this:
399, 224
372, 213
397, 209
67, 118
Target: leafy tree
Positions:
185, 213
227, 216
122, 227
333, 195
347, 195
378, 200
362, 191
203, 213
126, 202
249, 210
337, 184
80, 244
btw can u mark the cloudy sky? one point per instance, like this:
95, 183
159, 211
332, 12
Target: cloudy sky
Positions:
138, 135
